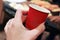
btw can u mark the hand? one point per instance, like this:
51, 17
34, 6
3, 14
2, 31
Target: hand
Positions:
15, 30
55, 19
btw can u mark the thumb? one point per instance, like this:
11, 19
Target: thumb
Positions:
18, 17
37, 31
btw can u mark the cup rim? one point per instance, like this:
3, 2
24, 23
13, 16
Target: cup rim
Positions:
42, 9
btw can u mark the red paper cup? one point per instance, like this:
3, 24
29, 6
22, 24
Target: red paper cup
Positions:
36, 16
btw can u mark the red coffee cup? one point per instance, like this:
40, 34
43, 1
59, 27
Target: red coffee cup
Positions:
36, 16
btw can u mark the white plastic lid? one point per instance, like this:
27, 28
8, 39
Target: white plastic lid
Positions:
42, 9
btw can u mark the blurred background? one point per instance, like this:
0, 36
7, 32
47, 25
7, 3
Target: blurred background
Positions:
8, 9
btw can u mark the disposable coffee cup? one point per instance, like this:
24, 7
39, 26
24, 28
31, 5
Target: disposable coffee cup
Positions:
36, 16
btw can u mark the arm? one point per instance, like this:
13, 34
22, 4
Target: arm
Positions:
1, 12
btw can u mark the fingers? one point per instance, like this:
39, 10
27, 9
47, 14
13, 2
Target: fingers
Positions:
55, 19
52, 18
40, 28
37, 31
8, 25
25, 13
24, 18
